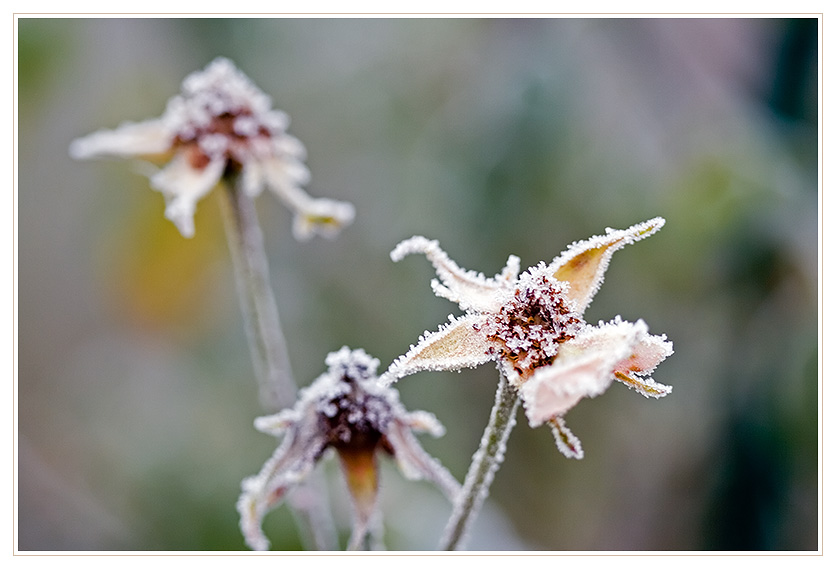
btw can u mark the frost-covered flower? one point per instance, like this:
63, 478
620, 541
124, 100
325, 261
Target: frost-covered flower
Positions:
532, 325
220, 124
347, 410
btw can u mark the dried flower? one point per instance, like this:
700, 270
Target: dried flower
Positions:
347, 410
220, 125
532, 326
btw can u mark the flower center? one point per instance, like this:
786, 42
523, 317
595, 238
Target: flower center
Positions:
529, 329
357, 419
220, 114
228, 136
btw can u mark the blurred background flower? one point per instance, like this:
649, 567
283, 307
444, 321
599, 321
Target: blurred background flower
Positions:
495, 136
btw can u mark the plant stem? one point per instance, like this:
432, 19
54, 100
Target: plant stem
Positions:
277, 388
486, 462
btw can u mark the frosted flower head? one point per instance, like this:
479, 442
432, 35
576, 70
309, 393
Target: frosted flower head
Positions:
532, 326
220, 125
346, 410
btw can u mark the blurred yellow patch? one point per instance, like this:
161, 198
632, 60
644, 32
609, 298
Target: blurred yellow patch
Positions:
157, 278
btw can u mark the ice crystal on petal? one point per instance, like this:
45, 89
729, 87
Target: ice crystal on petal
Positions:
584, 263
457, 344
532, 326
567, 443
129, 139
220, 125
469, 289
344, 409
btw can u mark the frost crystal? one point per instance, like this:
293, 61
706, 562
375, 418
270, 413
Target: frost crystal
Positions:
346, 410
532, 326
220, 125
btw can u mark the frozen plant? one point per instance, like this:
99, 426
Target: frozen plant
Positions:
220, 125
532, 326
221, 130
345, 410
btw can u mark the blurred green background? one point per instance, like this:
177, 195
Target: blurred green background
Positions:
495, 136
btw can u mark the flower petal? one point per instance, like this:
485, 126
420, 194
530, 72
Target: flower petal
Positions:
323, 216
471, 290
455, 345
359, 466
556, 389
646, 386
183, 185
583, 265
567, 442
289, 465
130, 139
583, 368
647, 354
284, 175
414, 461
278, 423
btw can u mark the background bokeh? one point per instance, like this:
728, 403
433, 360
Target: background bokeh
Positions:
495, 136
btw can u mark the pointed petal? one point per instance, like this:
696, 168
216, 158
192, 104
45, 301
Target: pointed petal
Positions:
325, 217
455, 345
183, 185
567, 442
359, 466
583, 265
556, 389
583, 368
424, 422
290, 464
312, 216
648, 353
471, 290
414, 461
278, 423
128, 140
646, 386
285, 175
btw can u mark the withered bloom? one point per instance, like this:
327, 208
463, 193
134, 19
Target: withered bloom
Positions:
346, 410
532, 326
220, 124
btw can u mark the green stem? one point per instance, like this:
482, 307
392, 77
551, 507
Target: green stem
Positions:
486, 462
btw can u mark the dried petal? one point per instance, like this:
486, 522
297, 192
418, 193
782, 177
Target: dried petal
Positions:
145, 138
648, 353
532, 326
414, 461
583, 265
471, 290
556, 389
221, 123
289, 465
359, 467
346, 410
457, 344
567, 442
183, 186
323, 216
645, 386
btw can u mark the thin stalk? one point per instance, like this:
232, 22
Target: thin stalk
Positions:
277, 388
486, 462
